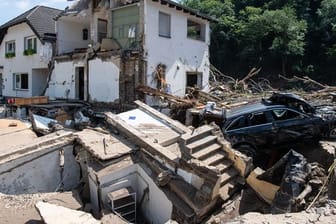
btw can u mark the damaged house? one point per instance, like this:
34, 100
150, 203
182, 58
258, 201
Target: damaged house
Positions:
108, 48
26, 48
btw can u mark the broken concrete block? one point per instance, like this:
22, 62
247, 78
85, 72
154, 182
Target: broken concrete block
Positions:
54, 214
264, 189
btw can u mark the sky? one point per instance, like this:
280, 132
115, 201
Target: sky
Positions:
9, 9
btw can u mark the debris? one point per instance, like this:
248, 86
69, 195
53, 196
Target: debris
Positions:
55, 214
298, 181
42, 124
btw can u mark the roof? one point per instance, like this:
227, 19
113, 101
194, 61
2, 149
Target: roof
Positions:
249, 108
186, 9
84, 4
40, 19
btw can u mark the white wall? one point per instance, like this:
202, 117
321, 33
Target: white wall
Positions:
104, 80
156, 207
39, 172
62, 83
39, 81
19, 63
70, 34
179, 53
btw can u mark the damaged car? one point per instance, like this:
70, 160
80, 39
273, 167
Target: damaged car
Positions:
278, 122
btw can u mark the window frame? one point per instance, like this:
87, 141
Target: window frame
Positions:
202, 34
16, 82
34, 43
14, 47
102, 35
169, 25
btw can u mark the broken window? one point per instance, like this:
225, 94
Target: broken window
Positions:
164, 25
30, 45
283, 114
125, 26
194, 79
196, 30
21, 81
102, 29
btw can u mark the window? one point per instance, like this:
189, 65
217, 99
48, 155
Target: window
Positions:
283, 114
10, 49
102, 29
257, 119
164, 25
85, 34
30, 45
196, 30
238, 123
21, 81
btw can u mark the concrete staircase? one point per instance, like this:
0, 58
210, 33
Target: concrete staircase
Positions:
203, 145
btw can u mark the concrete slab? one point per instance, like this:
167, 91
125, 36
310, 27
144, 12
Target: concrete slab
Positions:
15, 133
55, 214
102, 146
150, 126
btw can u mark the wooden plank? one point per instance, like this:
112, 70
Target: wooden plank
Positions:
31, 100
175, 125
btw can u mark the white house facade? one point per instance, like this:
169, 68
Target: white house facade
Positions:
107, 48
25, 53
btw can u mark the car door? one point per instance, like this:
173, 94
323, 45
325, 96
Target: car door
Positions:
259, 128
291, 125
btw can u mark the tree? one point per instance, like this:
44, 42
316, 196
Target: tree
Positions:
268, 32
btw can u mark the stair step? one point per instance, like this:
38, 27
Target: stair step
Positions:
197, 134
214, 158
206, 151
202, 143
228, 175
224, 165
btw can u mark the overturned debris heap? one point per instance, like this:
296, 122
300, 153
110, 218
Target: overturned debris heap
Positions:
140, 166
143, 167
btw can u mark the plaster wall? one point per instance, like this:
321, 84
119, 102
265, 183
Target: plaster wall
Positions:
104, 80
179, 53
62, 83
39, 81
156, 207
20, 63
39, 172
70, 34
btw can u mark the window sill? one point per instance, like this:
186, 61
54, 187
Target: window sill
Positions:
22, 90
200, 40
165, 36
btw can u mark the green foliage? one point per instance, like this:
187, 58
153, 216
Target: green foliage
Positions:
10, 55
286, 36
29, 52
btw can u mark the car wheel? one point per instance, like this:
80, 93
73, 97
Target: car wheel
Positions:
332, 133
247, 150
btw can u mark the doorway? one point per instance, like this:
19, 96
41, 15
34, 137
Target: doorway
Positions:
1, 84
80, 83
194, 79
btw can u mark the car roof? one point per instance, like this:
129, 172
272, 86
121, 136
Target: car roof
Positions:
250, 108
